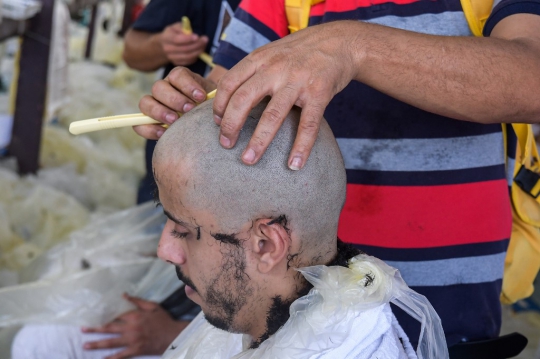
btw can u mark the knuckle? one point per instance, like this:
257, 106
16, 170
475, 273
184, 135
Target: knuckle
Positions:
156, 113
176, 73
145, 102
272, 116
157, 86
239, 98
309, 126
176, 100
226, 84
258, 141
227, 127
318, 89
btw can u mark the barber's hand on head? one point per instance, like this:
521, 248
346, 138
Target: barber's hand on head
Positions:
147, 330
176, 94
305, 69
180, 48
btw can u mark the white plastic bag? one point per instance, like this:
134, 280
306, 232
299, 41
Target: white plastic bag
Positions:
81, 281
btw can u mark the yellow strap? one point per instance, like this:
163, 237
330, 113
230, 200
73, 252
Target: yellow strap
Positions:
477, 12
528, 155
297, 12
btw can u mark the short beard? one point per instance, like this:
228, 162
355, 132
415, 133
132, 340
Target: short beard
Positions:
279, 312
225, 302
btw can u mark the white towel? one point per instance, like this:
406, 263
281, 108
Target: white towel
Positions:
374, 334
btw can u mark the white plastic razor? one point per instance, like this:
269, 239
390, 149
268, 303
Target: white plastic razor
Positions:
105, 123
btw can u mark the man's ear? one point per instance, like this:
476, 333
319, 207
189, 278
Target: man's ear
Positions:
271, 244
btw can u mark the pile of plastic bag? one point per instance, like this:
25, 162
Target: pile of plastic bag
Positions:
33, 218
81, 281
79, 175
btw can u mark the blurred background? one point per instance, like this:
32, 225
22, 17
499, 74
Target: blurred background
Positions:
53, 183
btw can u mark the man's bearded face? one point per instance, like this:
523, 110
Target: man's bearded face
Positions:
217, 266
211, 263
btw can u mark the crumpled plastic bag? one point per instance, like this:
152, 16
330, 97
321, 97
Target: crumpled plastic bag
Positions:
371, 282
104, 174
97, 188
33, 218
81, 281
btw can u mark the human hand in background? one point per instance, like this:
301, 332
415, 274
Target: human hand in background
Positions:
146, 330
181, 49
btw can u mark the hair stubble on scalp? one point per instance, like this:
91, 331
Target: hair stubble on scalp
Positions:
310, 199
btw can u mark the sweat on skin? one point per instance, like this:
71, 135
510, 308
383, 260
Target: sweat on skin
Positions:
236, 232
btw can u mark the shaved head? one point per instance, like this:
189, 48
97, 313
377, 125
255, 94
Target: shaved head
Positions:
308, 201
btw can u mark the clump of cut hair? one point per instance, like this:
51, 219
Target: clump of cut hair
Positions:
310, 199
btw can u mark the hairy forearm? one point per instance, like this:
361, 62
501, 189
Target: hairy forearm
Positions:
485, 80
143, 51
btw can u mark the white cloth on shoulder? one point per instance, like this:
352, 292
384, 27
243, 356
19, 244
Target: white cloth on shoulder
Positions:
346, 315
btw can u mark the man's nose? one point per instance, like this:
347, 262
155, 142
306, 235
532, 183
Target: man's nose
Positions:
170, 248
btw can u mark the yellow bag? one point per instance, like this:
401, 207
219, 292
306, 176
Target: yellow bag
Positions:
522, 261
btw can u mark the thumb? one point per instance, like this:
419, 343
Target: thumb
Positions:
141, 303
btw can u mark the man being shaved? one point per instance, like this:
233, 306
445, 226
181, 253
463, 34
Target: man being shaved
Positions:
238, 234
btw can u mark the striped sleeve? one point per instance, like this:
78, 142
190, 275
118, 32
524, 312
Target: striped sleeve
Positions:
255, 24
505, 8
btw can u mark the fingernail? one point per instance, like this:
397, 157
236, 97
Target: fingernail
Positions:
198, 95
160, 133
187, 107
86, 346
295, 164
194, 37
217, 119
225, 142
249, 156
170, 118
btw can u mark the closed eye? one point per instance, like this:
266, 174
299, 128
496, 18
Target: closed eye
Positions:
177, 234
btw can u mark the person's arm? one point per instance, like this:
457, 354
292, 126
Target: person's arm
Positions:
147, 330
486, 80
146, 51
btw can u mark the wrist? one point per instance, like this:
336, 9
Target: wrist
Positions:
359, 49
157, 41
158, 44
